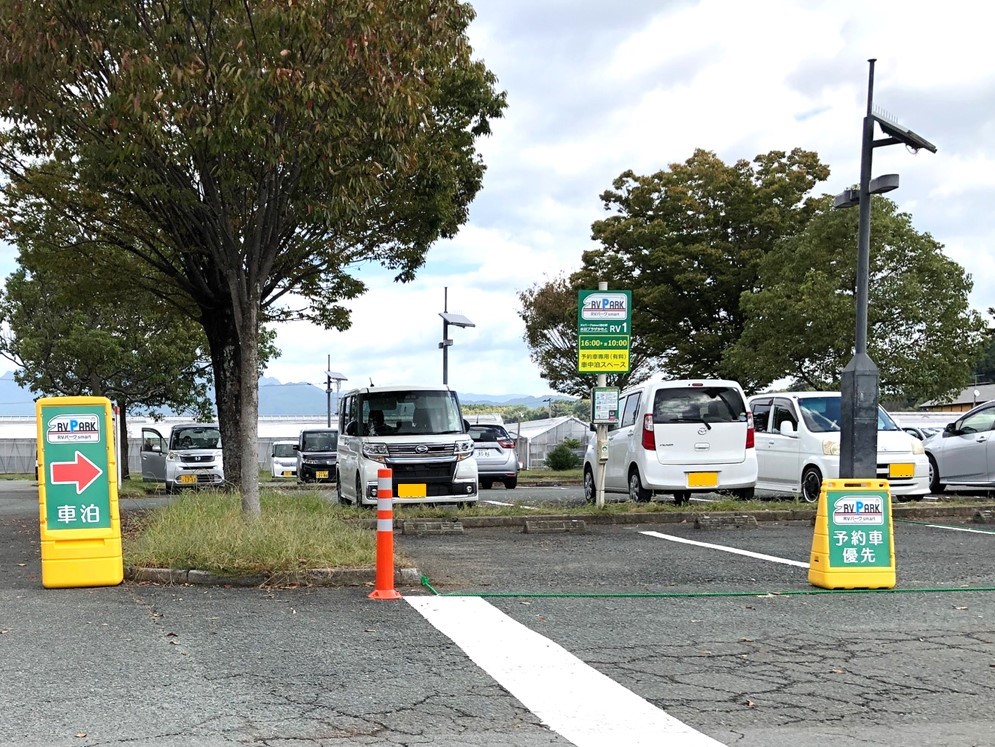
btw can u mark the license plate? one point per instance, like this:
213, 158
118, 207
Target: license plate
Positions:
321, 474
703, 479
484, 452
414, 490
901, 470
286, 473
187, 479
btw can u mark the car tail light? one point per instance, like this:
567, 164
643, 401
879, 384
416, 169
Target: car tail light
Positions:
750, 433
506, 443
649, 436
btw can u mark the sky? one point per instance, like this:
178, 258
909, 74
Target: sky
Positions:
595, 89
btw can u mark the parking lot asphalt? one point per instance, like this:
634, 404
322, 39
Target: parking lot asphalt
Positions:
714, 626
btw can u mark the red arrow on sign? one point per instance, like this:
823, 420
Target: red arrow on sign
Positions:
81, 471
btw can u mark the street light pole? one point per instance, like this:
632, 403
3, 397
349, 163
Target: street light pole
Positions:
859, 380
456, 320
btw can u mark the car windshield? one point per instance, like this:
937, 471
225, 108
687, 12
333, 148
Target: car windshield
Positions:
822, 414
283, 450
196, 437
410, 413
488, 433
319, 440
711, 404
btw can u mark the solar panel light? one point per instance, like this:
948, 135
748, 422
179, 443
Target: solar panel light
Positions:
901, 134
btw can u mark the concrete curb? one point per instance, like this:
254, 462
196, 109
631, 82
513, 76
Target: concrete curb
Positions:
312, 577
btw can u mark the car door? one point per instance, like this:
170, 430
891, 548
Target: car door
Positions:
154, 448
966, 453
783, 452
620, 443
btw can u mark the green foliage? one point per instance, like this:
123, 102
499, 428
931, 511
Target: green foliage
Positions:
688, 242
242, 154
561, 457
922, 335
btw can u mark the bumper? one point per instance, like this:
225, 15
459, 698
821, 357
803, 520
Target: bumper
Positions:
317, 473
669, 477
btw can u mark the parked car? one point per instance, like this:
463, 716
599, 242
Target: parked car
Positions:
922, 432
283, 459
678, 437
798, 446
494, 450
185, 455
964, 452
316, 454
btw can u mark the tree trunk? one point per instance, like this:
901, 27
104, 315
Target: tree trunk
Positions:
249, 406
222, 338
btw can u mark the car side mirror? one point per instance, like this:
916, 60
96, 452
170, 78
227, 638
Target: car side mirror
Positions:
350, 430
950, 429
787, 429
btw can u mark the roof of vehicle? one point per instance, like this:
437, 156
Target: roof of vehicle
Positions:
400, 388
800, 395
678, 383
320, 430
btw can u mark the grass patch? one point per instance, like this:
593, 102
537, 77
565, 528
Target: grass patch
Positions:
206, 530
549, 476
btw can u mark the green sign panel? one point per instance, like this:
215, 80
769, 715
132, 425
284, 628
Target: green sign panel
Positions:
75, 458
859, 535
604, 326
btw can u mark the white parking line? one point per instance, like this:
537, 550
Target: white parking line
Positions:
573, 699
501, 503
724, 548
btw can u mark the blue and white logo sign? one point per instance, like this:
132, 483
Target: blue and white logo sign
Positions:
859, 510
73, 429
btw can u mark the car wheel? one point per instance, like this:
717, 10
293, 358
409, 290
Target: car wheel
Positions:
637, 492
590, 490
511, 483
744, 494
487, 484
935, 486
682, 497
170, 488
811, 485
358, 501
338, 488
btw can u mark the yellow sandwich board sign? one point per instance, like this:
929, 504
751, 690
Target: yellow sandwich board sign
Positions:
77, 493
853, 546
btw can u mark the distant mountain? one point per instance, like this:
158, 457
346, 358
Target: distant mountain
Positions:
13, 399
276, 398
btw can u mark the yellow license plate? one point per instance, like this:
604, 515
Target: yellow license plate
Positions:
187, 479
703, 479
415, 490
901, 470
286, 474
321, 474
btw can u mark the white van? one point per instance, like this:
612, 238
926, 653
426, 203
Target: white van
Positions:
679, 437
416, 431
798, 446
185, 455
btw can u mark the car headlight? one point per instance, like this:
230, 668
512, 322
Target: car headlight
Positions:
463, 450
917, 447
172, 456
831, 447
375, 451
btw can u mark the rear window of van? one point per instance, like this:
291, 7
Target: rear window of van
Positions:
698, 404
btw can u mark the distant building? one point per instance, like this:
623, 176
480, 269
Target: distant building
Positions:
534, 439
976, 394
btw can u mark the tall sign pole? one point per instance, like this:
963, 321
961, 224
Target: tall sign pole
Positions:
604, 329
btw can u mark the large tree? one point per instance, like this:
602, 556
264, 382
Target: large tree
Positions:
922, 334
688, 242
244, 153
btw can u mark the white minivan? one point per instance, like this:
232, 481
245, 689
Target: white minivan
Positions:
798, 446
678, 437
418, 432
